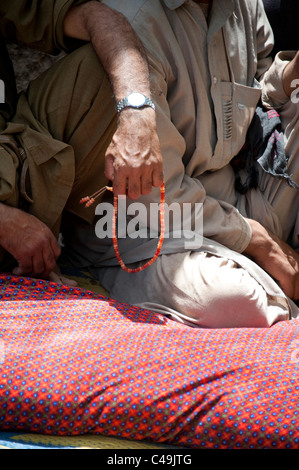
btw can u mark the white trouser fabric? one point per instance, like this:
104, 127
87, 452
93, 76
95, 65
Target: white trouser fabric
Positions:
198, 289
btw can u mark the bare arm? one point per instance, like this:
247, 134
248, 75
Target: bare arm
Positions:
133, 159
275, 257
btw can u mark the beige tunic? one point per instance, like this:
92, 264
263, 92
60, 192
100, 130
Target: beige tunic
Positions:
206, 82
204, 111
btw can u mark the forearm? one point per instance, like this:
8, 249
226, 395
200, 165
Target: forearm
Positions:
276, 257
114, 41
133, 161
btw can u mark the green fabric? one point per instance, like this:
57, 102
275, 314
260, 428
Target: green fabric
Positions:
40, 26
37, 24
7, 76
54, 121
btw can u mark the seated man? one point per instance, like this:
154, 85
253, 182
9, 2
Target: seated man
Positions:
210, 66
54, 138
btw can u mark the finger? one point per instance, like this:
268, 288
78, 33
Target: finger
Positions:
119, 184
158, 178
56, 250
30, 265
38, 265
109, 167
23, 268
60, 279
134, 187
146, 185
49, 263
45, 261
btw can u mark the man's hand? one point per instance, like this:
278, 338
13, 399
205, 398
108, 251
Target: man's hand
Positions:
29, 241
276, 257
133, 159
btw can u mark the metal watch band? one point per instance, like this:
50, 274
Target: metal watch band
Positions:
135, 100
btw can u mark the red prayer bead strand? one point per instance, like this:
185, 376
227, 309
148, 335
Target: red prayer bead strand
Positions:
161, 238
88, 200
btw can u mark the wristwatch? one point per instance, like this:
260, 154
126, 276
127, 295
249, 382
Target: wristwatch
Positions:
134, 100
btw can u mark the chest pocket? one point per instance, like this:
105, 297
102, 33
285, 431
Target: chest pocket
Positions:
244, 102
235, 111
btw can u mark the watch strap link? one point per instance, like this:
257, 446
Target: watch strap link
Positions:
127, 102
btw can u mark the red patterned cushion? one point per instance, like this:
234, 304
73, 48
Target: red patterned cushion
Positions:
73, 362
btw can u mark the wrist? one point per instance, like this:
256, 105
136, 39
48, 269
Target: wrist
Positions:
7, 215
138, 117
260, 239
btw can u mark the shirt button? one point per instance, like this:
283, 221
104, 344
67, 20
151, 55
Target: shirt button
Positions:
215, 80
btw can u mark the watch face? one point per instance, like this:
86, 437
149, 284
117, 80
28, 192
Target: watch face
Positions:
136, 99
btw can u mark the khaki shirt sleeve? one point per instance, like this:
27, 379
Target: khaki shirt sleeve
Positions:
264, 40
222, 222
273, 95
39, 26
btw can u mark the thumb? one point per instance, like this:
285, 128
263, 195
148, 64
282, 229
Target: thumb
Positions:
109, 167
20, 271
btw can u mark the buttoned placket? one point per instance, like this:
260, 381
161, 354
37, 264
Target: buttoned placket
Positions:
221, 79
